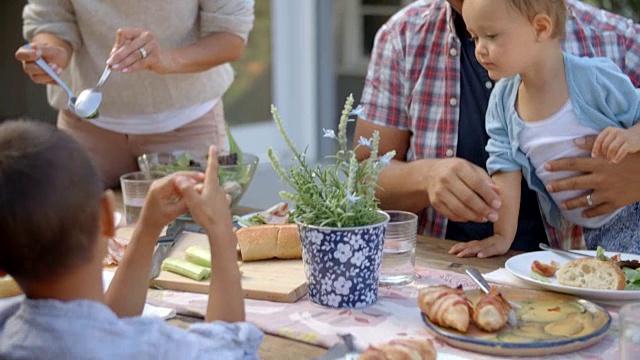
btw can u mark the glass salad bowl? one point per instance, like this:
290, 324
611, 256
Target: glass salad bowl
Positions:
235, 171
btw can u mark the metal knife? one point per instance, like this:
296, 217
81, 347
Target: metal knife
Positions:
485, 287
165, 243
567, 253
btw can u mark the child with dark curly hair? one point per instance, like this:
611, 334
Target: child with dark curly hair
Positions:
55, 222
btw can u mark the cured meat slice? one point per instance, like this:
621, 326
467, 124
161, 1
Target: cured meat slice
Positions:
117, 246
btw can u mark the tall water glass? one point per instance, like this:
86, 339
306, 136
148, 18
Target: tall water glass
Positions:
399, 254
135, 187
629, 316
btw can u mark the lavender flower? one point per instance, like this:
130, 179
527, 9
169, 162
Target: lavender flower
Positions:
352, 198
329, 133
364, 141
339, 194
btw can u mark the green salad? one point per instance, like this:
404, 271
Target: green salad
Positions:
234, 174
630, 268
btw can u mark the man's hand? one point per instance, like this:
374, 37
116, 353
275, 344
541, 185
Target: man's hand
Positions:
613, 185
462, 191
491, 246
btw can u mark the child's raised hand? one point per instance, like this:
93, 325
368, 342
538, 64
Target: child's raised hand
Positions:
491, 246
614, 144
164, 201
207, 202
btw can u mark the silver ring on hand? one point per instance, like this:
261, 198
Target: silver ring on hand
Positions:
589, 200
143, 52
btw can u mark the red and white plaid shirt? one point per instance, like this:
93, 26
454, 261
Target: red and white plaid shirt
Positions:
413, 81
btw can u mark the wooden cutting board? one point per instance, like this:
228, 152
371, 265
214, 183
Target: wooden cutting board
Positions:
273, 280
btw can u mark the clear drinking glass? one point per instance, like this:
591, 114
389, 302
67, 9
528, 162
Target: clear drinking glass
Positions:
399, 254
629, 316
135, 187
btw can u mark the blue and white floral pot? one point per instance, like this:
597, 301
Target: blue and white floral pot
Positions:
342, 265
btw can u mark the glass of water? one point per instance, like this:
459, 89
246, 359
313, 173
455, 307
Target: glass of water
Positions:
629, 316
135, 187
399, 254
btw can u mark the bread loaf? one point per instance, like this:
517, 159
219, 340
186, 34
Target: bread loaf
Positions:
592, 274
269, 241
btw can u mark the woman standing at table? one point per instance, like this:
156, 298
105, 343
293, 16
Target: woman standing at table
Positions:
172, 67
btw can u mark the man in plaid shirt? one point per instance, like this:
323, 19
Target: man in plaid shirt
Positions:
427, 96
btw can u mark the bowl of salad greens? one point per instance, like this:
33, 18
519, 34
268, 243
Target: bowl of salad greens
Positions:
235, 171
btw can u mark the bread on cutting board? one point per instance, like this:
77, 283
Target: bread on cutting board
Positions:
592, 274
269, 241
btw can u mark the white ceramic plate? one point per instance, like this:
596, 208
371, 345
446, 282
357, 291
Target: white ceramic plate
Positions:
520, 266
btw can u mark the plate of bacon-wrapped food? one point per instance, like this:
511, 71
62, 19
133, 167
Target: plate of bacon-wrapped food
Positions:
548, 323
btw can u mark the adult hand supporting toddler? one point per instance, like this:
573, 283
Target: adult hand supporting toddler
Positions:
613, 185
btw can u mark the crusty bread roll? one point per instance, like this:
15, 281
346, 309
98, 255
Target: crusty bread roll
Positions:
269, 241
592, 274
9, 287
401, 349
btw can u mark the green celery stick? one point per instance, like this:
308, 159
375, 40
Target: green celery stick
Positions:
199, 256
185, 268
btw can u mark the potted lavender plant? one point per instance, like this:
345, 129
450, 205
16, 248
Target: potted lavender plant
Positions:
341, 227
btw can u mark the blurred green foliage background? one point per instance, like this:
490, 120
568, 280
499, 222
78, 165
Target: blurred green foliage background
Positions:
627, 8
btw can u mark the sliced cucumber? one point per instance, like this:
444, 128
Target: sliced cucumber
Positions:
199, 256
185, 268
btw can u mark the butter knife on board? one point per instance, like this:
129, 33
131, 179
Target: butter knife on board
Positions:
165, 243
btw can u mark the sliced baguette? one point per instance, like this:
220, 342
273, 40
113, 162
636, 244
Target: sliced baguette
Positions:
269, 241
592, 274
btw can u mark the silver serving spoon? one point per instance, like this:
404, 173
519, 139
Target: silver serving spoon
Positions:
89, 100
485, 287
43, 64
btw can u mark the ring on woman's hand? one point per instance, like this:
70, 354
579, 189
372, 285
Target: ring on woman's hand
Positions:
589, 200
143, 52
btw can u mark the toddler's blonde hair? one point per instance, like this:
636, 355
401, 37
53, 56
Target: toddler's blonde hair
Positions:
555, 9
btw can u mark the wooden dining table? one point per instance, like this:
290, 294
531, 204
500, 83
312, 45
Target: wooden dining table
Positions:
430, 252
